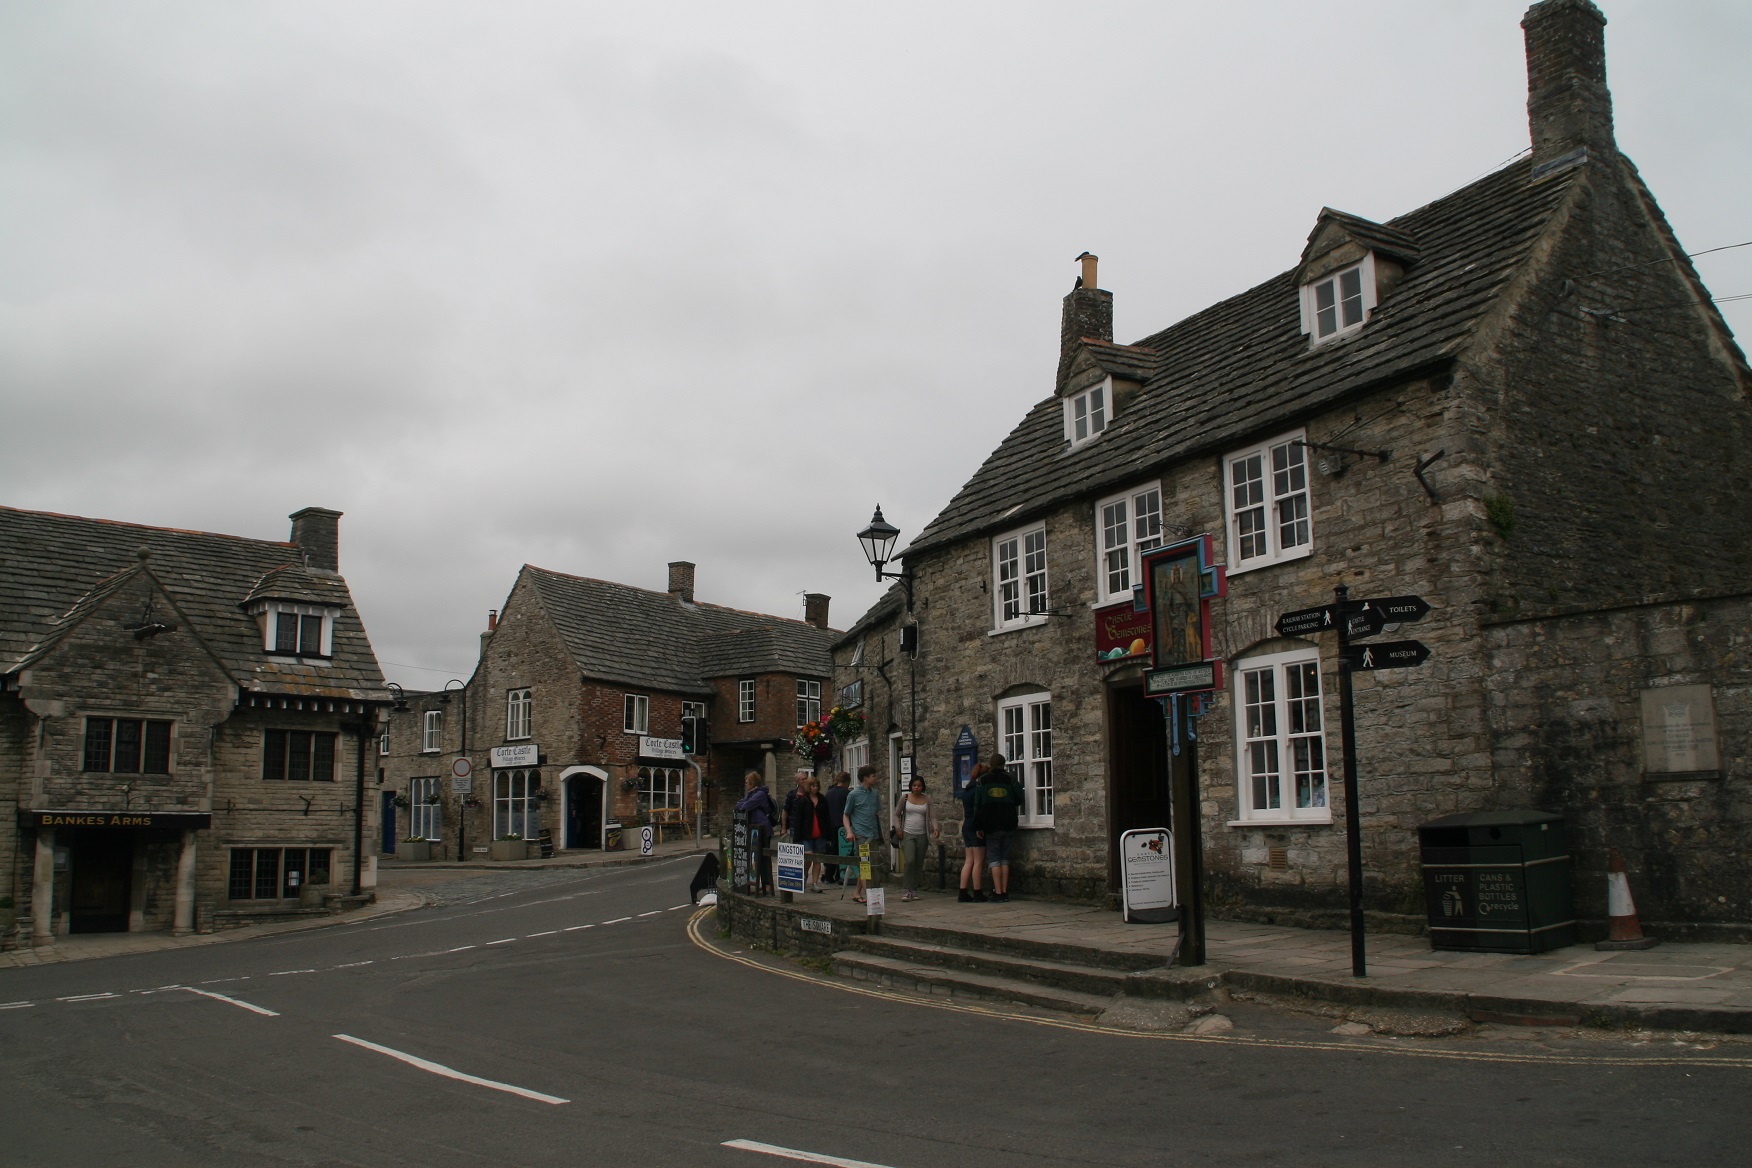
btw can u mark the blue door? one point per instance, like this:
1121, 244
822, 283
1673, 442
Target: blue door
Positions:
389, 823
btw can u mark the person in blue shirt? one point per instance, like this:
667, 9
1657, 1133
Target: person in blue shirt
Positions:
862, 823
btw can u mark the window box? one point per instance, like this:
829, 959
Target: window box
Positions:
508, 849
414, 851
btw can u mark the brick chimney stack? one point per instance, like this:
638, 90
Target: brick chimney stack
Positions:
1088, 312
1569, 108
681, 580
815, 608
317, 533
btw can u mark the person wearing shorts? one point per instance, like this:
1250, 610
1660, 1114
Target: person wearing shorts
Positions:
997, 808
973, 853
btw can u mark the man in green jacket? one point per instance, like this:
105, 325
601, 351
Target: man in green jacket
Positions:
997, 807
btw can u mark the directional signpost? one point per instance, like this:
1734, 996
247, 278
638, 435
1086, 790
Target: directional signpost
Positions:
1358, 619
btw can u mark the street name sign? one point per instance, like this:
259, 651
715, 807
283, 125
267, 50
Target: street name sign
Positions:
1387, 655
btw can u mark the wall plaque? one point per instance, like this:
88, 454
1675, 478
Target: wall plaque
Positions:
1679, 730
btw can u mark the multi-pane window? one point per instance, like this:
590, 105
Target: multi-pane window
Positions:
275, 873
1268, 504
1025, 729
298, 630
745, 700
854, 755
1019, 572
808, 702
1086, 414
516, 810
299, 756
432, 738
659, 789
636, 712
383, 743
518, 706
1130, 525
1338, 303
127, 746
1282, 738
425, 808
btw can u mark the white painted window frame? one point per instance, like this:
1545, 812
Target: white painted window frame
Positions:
636, 714
1093, 407
432, 732
425, 811
1024, 726
515, 802
1282, 735
745, 699
275, 609
1136, 542
1023, 557
808, 701
1365, 269
519, 713
1272, 501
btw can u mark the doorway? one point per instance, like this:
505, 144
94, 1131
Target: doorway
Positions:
102, 877
1137, 768
584, 811
388, 821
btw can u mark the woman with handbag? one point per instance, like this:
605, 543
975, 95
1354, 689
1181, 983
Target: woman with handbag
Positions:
914, 826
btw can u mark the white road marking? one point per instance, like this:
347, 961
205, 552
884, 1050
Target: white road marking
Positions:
356, 964
575, 928
285, 972
794, 1154
501, 941
656, 912
86, 997
16, 1005
673, 907
549, 933
223, 980
617, 920
450, 1072
458, 949
233, 1001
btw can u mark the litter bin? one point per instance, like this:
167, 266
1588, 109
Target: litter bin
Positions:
1498, 881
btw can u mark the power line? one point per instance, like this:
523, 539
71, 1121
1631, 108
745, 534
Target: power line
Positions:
1662, 260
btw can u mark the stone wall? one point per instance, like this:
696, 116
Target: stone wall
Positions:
1569, 737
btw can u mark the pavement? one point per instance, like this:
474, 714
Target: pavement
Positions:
399, 888
1680, 987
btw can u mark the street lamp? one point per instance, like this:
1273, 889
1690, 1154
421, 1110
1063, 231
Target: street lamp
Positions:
878, 543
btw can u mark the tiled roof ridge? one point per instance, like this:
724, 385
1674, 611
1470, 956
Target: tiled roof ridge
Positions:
149, 527
698, 604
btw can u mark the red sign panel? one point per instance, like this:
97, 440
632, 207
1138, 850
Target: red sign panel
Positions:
1121, 632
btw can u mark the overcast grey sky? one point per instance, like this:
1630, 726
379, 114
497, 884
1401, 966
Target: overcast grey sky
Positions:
596, 287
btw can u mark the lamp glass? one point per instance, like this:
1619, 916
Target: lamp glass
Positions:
878, 540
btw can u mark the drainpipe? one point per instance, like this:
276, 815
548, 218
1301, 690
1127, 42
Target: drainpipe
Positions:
365, 729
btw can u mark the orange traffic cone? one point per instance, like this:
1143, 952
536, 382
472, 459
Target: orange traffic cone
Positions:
1625, 931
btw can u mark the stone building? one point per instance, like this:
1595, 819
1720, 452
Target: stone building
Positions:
1517, 402
573, 719
186, 723
875, 676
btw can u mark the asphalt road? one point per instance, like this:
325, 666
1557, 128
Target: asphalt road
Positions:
574, 1020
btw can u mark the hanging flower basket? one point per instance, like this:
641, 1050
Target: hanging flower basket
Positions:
818, 740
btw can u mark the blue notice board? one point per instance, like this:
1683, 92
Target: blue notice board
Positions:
966, 754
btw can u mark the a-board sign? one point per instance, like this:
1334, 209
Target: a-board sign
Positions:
875, 902
1203, 675
741, 869
1146, 876
788, 869
1387, 655
647, 839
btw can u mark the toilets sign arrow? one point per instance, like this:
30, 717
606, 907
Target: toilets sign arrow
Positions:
1386, 655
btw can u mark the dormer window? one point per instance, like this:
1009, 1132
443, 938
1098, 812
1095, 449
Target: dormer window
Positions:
297, 630
1339, 302
1086, 413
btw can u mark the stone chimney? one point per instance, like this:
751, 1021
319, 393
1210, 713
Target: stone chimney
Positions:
492, 620
317, 532
1569, 108
1088, 313
815, 608
681, 580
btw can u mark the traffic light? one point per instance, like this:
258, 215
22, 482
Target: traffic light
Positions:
695, 735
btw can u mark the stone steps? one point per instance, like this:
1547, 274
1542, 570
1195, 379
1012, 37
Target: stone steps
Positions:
938, 981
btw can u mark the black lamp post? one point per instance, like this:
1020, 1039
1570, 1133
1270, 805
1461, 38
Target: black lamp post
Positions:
878, 543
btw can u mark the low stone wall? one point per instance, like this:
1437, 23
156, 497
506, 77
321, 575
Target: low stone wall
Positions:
764, 923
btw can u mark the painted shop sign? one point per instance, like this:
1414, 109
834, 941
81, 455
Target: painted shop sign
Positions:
115, 819
526, 754
1121, 631
667, 748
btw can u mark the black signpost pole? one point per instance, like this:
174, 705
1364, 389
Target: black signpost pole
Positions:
1353, 820
1188, 833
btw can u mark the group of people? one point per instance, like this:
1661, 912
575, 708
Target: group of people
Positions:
836, 822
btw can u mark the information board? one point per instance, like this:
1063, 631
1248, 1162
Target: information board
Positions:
741, 870
1146, 866
789, 874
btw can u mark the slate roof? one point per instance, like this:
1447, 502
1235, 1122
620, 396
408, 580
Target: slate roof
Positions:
620, 633
297, 583
1372, 235
1242, 367
54, 569
891, 603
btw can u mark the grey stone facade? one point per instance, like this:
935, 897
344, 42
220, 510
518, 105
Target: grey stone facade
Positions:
1542, 428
